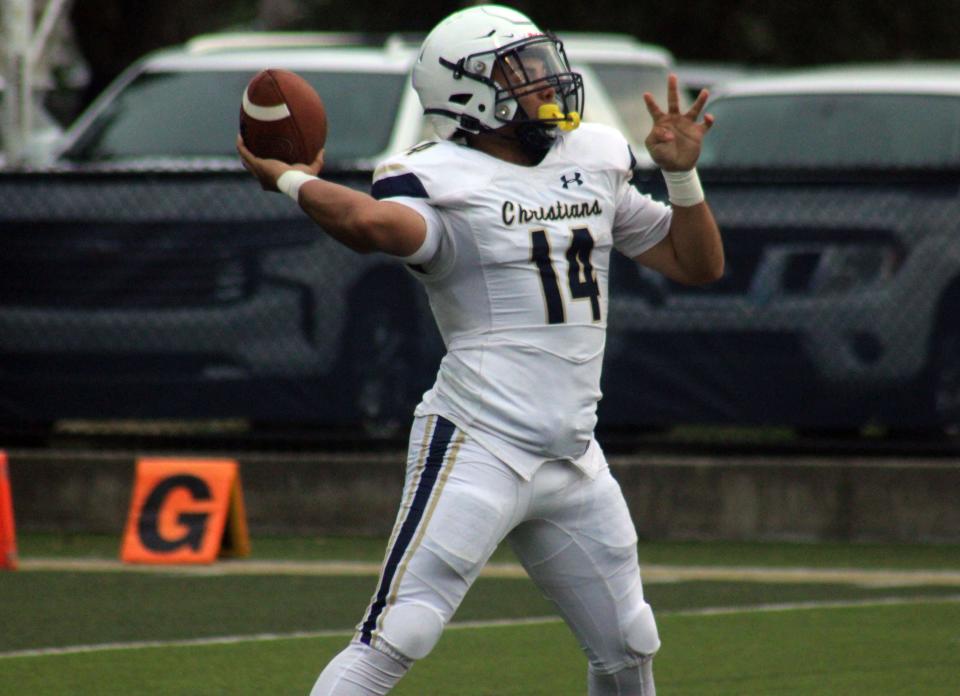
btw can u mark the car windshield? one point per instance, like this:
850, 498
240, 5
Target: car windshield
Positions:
195, 114
625, 84
843, 131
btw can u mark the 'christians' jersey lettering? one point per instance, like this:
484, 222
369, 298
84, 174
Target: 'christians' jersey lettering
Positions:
515, 212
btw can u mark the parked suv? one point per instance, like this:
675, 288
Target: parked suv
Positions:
146, 276
838, 195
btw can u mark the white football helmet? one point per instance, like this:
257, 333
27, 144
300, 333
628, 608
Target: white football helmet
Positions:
453, 75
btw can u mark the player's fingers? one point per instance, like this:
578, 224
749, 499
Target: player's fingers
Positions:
694, 112
673, 95
244, 154
708, 121
313, 167
652, 106
249, 161
317, 165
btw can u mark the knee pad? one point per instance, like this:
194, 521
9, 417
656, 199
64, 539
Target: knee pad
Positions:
412, 629
641, 632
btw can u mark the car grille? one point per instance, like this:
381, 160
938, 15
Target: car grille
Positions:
119, 266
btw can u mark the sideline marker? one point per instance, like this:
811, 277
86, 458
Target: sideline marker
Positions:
185, 511
8, 534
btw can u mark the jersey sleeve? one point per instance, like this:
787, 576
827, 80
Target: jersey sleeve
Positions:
640, 221
397, 180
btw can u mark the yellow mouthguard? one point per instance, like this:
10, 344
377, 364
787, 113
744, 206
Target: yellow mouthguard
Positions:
552, 112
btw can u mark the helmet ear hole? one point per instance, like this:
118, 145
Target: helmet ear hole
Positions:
470, 124
461, 98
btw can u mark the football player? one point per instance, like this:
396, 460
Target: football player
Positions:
509, 219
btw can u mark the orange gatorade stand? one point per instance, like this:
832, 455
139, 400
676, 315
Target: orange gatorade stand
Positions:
185, 511
8, 536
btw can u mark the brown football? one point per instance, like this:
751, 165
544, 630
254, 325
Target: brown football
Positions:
282, 117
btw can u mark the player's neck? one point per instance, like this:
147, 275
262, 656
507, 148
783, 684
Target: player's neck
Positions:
502, 146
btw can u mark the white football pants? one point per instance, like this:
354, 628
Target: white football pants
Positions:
573, 535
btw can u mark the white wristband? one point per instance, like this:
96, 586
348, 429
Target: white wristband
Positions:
683, 188
290, 182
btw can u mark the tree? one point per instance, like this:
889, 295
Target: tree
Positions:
113, 33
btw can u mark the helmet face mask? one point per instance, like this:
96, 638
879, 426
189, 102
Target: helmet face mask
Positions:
478, 65
531, 66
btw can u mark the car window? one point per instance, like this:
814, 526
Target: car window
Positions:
834, 130
625, 84
195, 114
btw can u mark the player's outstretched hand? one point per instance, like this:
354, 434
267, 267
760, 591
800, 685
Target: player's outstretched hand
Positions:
267, 171
675, 139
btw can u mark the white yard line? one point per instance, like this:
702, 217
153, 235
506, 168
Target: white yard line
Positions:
265, 637
816, 604
651, 573
839, 576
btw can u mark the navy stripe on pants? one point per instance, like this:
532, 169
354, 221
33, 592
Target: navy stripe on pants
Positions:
442, 433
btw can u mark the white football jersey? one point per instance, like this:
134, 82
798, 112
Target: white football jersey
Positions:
518, 284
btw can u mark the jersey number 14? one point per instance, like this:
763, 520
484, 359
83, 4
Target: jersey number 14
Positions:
580, 274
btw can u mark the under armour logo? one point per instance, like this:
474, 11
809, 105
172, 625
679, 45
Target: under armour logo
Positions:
574, 180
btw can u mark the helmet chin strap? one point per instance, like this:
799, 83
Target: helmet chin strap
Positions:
535, 136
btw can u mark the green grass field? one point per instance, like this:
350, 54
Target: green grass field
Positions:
233, 629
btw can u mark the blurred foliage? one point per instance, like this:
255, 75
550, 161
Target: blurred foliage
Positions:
112, 33
789, 32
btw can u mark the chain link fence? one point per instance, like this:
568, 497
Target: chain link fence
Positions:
194, 297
